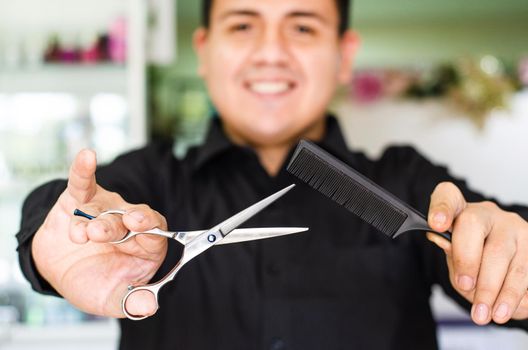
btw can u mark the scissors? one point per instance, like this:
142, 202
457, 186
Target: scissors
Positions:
197, 242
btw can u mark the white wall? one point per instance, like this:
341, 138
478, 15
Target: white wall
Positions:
494, 160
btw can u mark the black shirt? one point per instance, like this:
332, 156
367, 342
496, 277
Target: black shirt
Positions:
340, 285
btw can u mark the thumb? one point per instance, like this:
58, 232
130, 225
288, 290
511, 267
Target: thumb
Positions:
81, 180
141, 303
447, 202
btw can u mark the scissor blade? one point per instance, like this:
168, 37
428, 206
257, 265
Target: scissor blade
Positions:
249, 234
238, 219
218, 233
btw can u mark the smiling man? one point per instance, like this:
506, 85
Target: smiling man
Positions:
271, 68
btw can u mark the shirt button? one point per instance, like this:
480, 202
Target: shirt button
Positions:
277, 344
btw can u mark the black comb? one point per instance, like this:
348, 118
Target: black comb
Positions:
350, 189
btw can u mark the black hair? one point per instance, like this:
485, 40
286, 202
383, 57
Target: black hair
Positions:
343, 7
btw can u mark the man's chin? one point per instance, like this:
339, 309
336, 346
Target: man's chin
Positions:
266, 136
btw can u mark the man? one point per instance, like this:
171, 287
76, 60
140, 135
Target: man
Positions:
271, 68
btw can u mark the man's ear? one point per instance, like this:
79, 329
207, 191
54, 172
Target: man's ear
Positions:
199, 44
348, 46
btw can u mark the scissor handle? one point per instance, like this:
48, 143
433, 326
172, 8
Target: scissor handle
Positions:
113, 211
152, 288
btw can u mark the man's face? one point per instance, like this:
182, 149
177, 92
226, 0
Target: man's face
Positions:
272, 66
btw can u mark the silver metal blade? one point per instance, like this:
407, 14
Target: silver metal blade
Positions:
216, 234
238, 219
247, 234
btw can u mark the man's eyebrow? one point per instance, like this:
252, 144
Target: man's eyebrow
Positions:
230, 13
243, 12
308, 14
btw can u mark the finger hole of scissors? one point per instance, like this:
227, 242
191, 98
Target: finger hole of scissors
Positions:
126, 237
112, 211
144, 305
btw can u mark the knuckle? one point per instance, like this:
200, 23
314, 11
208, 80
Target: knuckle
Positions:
513, 217
468, 217
524, 301
512, 294
489, 205
486, 292
143, 207
114, 196
497, 248
445, 186
464, 264
158, 215
520, 272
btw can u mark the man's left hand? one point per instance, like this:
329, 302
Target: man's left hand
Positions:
488, 254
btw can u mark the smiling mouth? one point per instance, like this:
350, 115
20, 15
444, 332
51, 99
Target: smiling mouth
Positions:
270, 88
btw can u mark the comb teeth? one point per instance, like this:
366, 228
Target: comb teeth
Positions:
336, 181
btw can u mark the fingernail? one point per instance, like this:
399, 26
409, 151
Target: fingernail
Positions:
502, 311
137, 215
465, 283
481, 312
440, 218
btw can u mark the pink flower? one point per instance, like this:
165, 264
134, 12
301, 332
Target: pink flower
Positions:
523, 71
367, 87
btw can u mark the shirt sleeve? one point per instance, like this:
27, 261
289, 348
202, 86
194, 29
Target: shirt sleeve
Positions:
421, 177
131, 175
34, 212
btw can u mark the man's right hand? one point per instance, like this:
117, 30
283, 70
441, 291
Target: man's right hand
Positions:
74, 254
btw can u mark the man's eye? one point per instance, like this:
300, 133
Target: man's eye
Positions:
304, 29
241, 27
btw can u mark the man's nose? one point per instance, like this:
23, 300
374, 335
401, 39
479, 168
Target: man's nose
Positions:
271, 48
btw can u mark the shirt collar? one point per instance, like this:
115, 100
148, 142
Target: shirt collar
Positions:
217, 142
334, 141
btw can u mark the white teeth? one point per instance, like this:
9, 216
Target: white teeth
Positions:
275, 87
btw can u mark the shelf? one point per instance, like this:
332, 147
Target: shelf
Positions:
89, 335
75, 78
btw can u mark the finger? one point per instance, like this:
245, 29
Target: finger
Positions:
452, 278
497, 255
142, 217
78, 224
469, 233
77, 230
521, 313
106, 228
440, 241
447, 202
141, 303
513, 290
81, 180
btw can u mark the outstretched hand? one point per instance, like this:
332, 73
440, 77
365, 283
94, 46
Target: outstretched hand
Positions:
74, 254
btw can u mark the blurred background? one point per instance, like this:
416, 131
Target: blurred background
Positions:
449, 77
